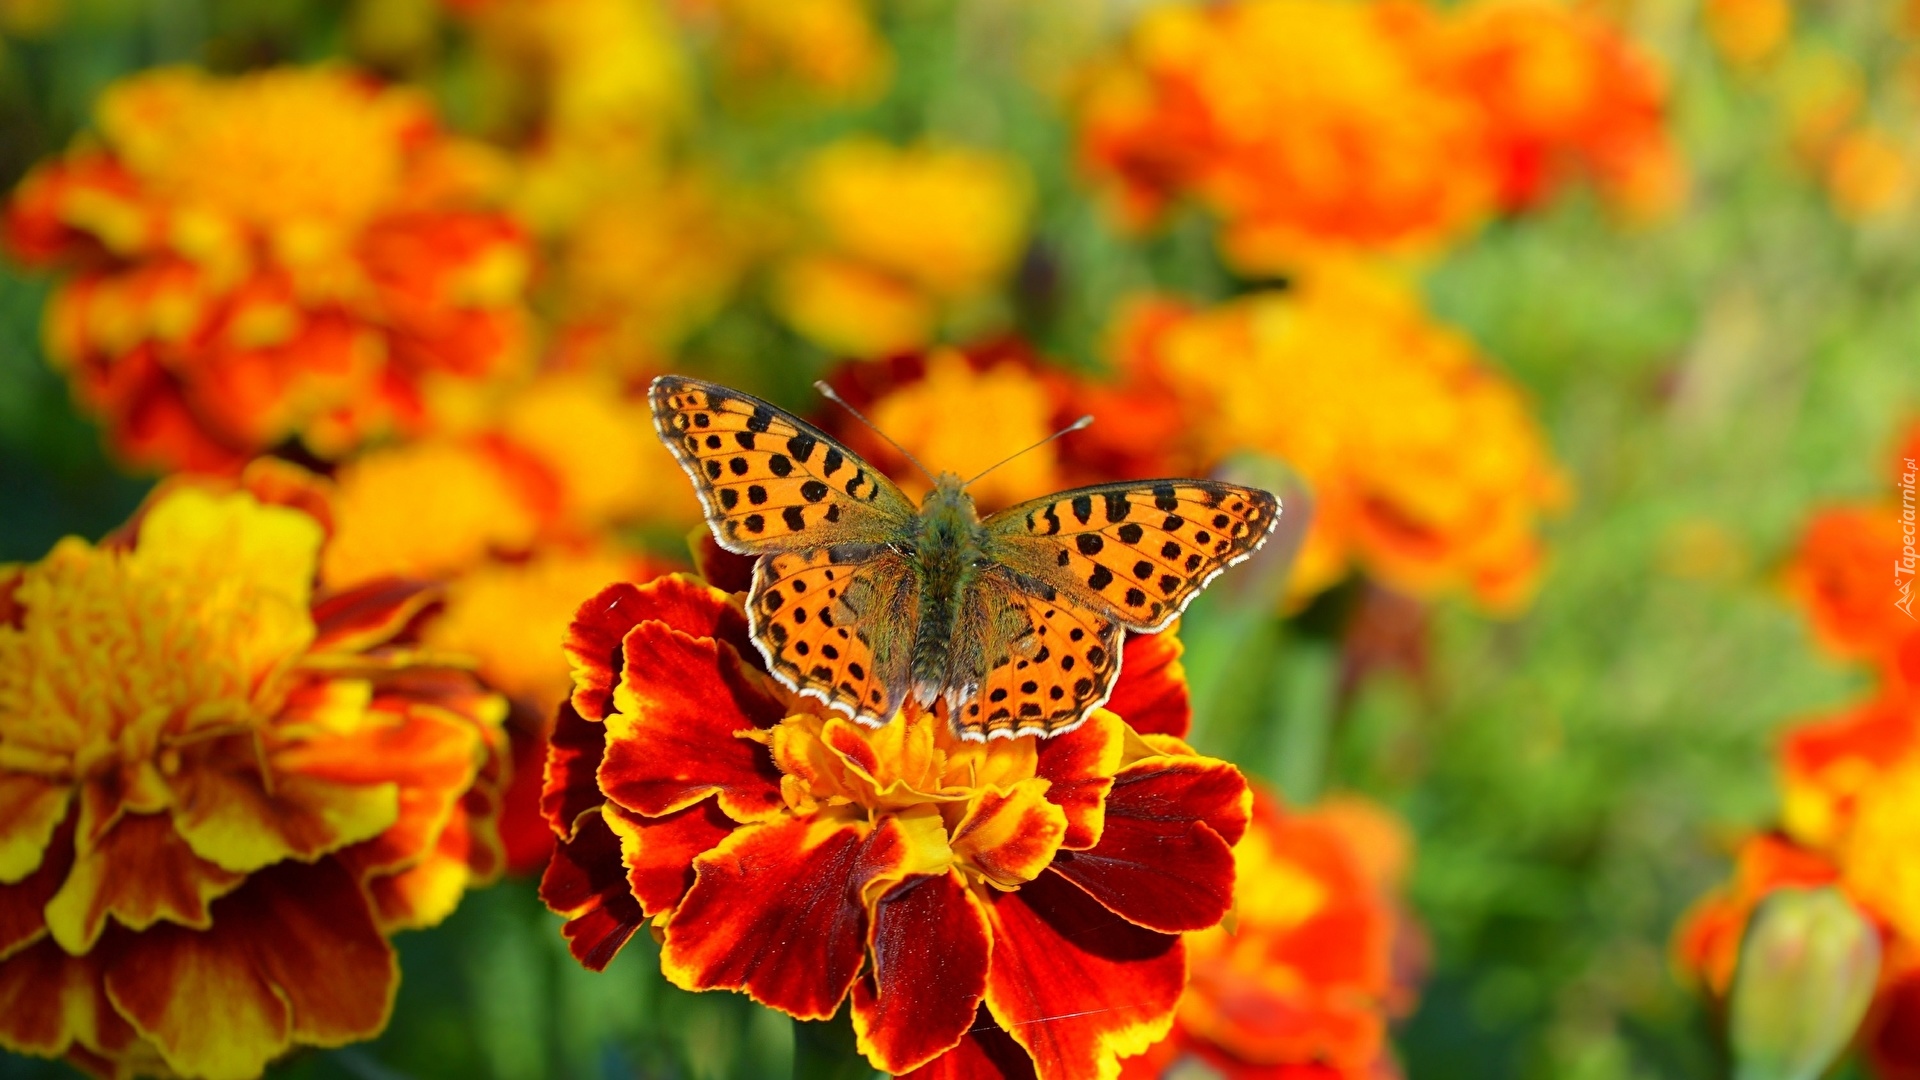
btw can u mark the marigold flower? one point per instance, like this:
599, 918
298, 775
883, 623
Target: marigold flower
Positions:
1316, 961
1868, 175
224, 790
1306, 125
1427, 468
775, 849
1841, 575
897, 237
1564, 91
1747, 33
294, 254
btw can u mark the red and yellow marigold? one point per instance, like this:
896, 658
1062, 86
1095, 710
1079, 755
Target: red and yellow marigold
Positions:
294, 255
1307, 126
1317, 961
1565, 94
223, 789
1428, 471
894, 239
959, 893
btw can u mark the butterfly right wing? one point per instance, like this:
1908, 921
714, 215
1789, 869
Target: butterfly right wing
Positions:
837, 624
768, 480
1036, 663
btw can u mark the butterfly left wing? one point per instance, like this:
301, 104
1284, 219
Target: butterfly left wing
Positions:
837, 624
768, 480
1031, 661
1138, 552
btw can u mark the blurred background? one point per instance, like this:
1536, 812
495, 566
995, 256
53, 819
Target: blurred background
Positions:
1562, 327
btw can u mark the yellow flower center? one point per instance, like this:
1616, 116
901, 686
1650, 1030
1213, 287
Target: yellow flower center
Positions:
120, 656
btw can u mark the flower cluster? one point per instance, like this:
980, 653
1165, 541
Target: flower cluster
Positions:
1851, 785
1013, 901
895, 238
295, 255
1383, 126
223, 789
1319, 958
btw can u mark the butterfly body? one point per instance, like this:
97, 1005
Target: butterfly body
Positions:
865, 601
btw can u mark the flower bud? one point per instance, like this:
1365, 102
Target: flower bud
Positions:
1806, 975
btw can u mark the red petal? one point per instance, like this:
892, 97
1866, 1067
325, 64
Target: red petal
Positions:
369, 614
1163, 861
572, 787
587, 883
50, 1002
723, 569
293, 956
601, 624
931, 945
659, 852
776, 911
673, 744
1080, 765
987, 1053
1151, 694
1075, 984
524, 834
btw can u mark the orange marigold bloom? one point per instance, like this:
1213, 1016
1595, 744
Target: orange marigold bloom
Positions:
223, 790
775, 849
1306, 125
1844, 575
1565, 92
825, 49
896, 238
295, 254
1426, 467
1748, 32
1317, 960
1869, 174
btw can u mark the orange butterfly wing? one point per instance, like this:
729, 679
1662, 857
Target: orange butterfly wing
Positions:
837, 624
768, 480
1042, 664
1137, 552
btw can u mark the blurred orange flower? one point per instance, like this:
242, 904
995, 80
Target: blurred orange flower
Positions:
1305, 125
1427, 468
1869, 174
291, 255
1565, 92
1747, 33
775, 850
1318, 959
223, 801
897, 238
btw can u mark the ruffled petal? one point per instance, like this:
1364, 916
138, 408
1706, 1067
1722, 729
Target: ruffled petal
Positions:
986, 1053
601, 624
1009, 837
367, 615
292, 956
572, 786
1151, 693
778, 910
586, 883
1080, 766
23, 904
659, 852
32, 808
672, 741
1076, 985
233, 821
1163, 862
50, 1002
931, 946
138, 874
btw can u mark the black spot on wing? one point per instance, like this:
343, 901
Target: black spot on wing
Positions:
1083, 508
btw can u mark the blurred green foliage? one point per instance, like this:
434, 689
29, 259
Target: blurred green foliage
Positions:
1574, 776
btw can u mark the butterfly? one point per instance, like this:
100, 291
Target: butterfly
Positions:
864, 601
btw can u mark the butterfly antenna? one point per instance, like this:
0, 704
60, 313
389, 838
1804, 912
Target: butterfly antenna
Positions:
1068, 430
829, 393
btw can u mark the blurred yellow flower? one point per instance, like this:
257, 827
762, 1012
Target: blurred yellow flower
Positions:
961, 420
896, 235
827, 49
1427, 468
226, 800
1868, 175
1748, 32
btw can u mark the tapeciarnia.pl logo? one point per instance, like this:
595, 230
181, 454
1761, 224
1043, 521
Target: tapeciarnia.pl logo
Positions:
1903, 566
